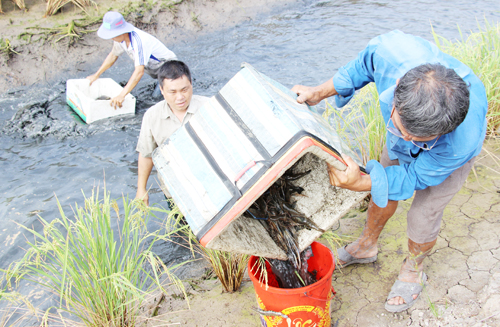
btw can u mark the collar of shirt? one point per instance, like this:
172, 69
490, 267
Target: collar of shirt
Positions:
387, 97
130, 46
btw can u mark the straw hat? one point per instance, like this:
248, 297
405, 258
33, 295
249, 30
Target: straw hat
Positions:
113, 24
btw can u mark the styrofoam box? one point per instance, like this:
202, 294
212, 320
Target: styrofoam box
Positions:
81, 97
236, 146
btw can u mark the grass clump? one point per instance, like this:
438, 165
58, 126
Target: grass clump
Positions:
481, 52
100, 268
73, 31
229, 267
20, 4
53, 6
360, 124
6, 48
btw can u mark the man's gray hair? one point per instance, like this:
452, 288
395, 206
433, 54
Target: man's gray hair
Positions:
431, 100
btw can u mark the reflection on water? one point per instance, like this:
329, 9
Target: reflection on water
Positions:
47, 151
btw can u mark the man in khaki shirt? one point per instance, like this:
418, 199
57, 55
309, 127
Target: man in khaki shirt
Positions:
165, 117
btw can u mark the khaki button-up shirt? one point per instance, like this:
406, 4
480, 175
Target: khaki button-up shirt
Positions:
159, 123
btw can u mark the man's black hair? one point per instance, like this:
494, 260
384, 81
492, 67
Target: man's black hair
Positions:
173, 69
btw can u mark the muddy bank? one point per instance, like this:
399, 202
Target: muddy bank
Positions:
40, 62
463, 270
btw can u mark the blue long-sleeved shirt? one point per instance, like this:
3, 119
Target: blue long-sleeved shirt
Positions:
385, 59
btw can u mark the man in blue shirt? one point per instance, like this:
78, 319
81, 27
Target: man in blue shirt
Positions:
435, 111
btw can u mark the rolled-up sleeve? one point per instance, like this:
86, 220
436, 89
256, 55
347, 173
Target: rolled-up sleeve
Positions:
401, 181
380, 186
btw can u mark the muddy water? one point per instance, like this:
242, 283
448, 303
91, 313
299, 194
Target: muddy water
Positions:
46, 150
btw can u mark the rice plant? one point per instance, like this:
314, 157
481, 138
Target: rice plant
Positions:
100, 268
16, 308
360, 124
54, 5
20, 4
481, 52
259, 268
229, 267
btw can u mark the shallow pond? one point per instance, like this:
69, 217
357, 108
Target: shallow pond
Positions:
46, 151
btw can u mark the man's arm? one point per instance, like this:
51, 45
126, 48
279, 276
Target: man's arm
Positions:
132, 82
108, 62
313, 95
144, 170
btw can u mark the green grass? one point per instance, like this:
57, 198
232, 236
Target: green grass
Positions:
360, 124
481, 52
6, 48
73, 31
100, 274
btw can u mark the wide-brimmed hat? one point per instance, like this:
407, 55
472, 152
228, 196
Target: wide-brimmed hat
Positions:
113, 24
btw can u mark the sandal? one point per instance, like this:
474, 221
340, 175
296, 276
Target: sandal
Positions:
348, 259
406, 291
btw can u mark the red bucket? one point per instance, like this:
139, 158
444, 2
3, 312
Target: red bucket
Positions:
304, 306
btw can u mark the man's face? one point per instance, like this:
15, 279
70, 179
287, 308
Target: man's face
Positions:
120, 38
177, 93
396, 121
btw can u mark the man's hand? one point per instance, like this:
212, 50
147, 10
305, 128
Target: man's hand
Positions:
144, 167
350, 178
313, 95
143, 195
132, 82
307, 94
92, 78
117, 101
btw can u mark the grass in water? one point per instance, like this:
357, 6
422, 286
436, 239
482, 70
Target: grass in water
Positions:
481, 52
99, 267
12, 313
